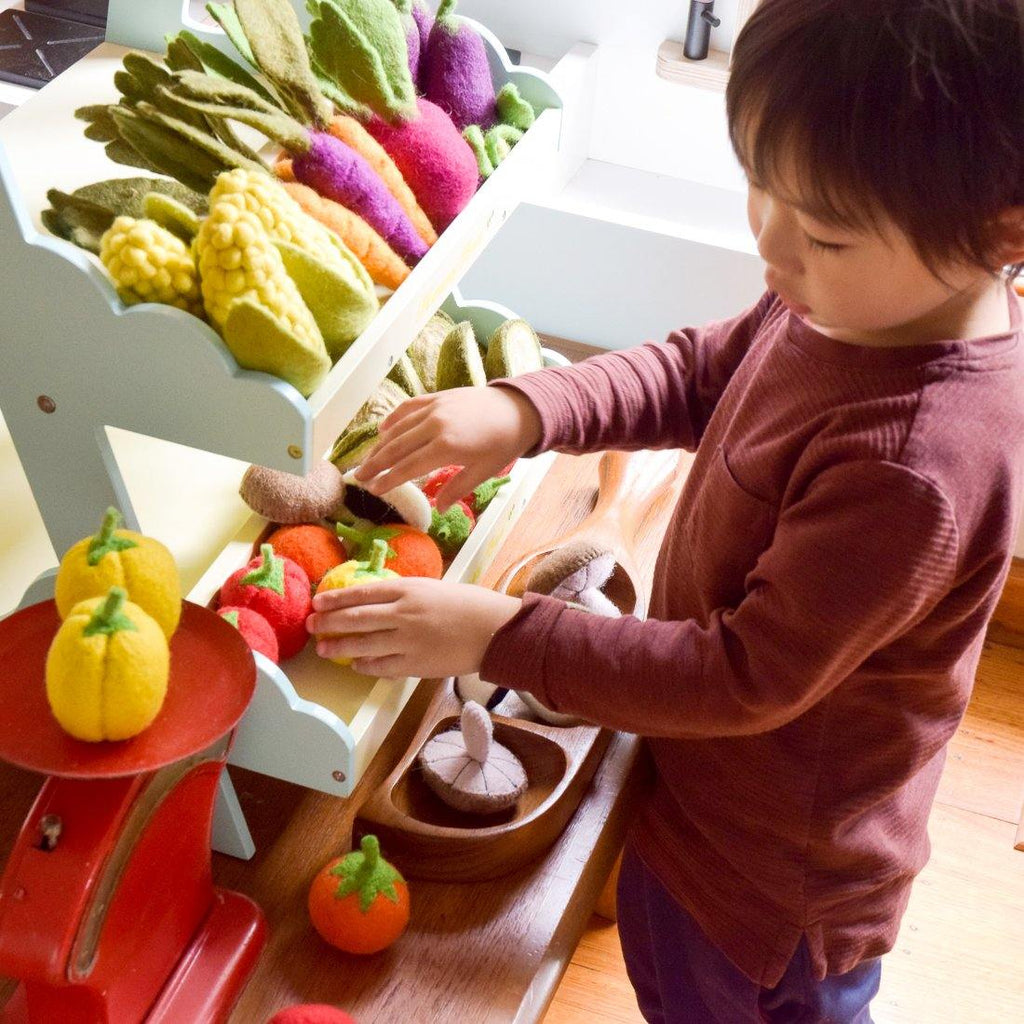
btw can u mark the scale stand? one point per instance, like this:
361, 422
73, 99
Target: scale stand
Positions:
108, 913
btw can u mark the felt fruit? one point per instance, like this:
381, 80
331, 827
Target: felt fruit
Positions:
405, 503
149, 264
481, 496
451, 528
255, 629
121, 558
107, 669
359, 903
313, 547
279, 590
459, 364
411, 552
354, 573
514, 349
311, 1013
404, 374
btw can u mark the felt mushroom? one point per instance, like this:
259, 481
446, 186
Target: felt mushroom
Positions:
577, 573
405, 503
288, 498
469, 770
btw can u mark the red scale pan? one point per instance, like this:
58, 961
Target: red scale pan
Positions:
108, 913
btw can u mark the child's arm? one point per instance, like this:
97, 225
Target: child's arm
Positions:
862, 557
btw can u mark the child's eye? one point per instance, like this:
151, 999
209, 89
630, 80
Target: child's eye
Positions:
817, 243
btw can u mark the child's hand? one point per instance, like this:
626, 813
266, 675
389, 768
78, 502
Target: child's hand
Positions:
410, 626
482, 429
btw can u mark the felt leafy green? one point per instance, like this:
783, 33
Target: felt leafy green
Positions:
225, 16
205, 57
513, 110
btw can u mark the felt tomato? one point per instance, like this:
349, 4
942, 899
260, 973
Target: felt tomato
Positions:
255, 629
359, 903
411, 552
313, 547
278, 589
107, 669
354, 573
121, 558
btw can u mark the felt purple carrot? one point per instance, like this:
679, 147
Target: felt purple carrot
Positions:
457, 73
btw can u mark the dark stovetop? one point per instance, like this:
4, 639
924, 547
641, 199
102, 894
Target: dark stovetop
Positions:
36, 48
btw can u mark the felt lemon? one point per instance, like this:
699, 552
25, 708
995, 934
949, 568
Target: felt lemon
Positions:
107, 669
121, 558
353, 573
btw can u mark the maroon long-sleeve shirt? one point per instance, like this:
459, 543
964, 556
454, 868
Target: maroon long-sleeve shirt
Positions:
818, 613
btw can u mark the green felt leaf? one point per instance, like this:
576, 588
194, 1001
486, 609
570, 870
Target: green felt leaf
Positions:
201, 139
513, 110
101, 126
215, 89
340, 303
127, 195
214, 62
500, 139
275, 37
339, 97
121, 152
179, 57
224, 15
259, 341
475, 137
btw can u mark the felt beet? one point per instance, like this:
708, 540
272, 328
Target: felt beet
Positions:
457, 72
279, 590
255, 629
314, 548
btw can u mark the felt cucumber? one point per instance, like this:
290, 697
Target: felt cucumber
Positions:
352, 446
386, 398
460, 364
514, 349
426, 348
404, 374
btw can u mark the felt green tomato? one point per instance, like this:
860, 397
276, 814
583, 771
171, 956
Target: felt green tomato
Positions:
354, 573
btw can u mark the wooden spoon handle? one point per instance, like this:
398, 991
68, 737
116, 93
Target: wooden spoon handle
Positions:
629, 485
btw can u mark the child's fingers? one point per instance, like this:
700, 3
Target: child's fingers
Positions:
365, 618
405, 410
389, 454
392, 667
459, 486
364, 645
384, 592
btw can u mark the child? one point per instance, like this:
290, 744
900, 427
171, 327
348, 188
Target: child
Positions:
823, 589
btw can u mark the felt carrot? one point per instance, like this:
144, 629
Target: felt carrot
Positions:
458, 75
352, 133
382, 263
360, 58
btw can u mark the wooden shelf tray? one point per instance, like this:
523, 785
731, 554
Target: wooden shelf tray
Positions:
153, 369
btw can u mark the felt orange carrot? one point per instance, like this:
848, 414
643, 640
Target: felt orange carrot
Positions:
380, 260
352, 133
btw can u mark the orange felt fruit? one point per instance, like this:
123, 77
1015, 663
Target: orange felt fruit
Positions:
411, 552
312, 546
359, 903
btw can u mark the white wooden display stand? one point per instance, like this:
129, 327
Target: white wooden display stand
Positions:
79, 361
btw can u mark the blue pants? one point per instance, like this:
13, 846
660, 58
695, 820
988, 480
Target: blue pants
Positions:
681, 978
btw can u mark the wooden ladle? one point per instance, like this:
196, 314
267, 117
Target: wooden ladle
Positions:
631, 488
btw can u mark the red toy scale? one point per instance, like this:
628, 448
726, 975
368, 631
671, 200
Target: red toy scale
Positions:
311, 1013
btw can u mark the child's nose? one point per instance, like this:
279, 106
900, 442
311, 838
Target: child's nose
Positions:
776, 235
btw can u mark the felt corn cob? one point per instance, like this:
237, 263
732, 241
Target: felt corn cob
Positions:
250, 296
333, 283
149, 264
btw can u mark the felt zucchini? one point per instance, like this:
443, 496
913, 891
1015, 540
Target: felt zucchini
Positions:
353, 446
386, 398
404, 374
425, 349
514, 349
459, 363
360, 46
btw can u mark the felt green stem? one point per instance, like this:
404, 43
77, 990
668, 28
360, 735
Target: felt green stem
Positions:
109, 617
225, 16
488, 490
365, 872
513, 110
446, 14
475, 137
500, 140
379, 555
105, 542
363, 541
231, 617
269, 574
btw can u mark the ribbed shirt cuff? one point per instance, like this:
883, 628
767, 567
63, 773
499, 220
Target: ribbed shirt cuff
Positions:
550, 397
516, 655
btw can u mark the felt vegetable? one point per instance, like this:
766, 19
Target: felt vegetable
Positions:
482, 495
313, 547
85, 214
107, 669
485, 493
386, 398
513, 110
353, 445
451, 528
355, 44
288, 498
405, 503
382, 263
311, 1013
149, 264
468, 769
404, 374
475, 137
513, 349
172, 215
459, 363
425, 349
359, 903
438, 479
576, 573
278, 590
255, 629
424, 18
121, 558
332, 282
413, 44
354, 573
250, 296
410, 552
457, 72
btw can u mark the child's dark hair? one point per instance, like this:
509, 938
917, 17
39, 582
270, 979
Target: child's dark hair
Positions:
912, 108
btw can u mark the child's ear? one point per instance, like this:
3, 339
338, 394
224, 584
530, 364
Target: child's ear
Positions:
1009, 236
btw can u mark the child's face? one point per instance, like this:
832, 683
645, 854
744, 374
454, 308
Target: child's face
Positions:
866, 287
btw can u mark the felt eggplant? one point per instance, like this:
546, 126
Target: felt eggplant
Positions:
424, 18
359, 57
412, 36
457, 73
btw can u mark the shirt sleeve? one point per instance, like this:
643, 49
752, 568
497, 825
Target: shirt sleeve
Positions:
865, 555
652, 396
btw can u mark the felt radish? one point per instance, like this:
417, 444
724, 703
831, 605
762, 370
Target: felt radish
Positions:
358, 57
457, 73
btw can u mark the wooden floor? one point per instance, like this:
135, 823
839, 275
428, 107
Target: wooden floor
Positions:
960, 956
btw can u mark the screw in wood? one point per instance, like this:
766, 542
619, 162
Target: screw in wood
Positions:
339, 776
295, 451
46, 403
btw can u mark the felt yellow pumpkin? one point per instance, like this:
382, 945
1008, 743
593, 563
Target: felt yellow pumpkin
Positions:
121, 558
107, 669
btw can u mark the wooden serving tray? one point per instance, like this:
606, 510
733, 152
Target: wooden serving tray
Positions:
428, 839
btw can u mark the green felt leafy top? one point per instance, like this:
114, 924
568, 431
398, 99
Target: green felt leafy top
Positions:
109, 617
365, 872
269, 574
106, 541
362, 541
